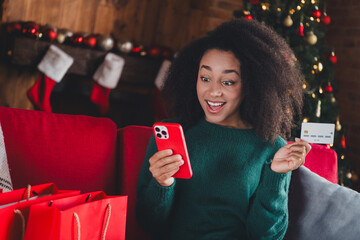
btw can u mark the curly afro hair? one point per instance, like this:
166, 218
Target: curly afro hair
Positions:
271, 78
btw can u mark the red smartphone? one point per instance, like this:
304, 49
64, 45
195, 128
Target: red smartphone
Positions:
171, 136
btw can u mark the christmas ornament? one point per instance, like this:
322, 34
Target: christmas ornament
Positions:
343, 143
338, 125
316, 13
48, 33
62, 34
301, 29
30, 29
125, 46
13, 27
318, 109
288, 22
249, 17
105, 42
349, 175
311, 38
333, 58
77, 39
328, 88
90, 40
325, 19
154, 51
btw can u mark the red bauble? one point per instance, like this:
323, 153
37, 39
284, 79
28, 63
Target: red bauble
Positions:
136, 49
333, 59
30, 29
328, 89
49, 34
90, 41
316, 13
249, 17
325, 19
155, 51
77, 39
343, 143
13, 27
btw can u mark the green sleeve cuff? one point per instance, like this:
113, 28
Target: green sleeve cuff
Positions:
160, 193
275, 180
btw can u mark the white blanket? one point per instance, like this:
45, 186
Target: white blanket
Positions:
5, 180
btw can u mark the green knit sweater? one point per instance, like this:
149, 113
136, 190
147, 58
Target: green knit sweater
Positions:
233, 193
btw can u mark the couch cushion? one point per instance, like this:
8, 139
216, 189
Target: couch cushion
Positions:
73, 151
319, 209
133, 141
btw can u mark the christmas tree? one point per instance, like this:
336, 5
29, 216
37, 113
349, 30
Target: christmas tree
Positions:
303, 25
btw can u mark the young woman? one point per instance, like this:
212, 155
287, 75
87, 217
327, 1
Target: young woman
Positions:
235, 92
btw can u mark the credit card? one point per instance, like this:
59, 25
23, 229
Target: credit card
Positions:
322, 133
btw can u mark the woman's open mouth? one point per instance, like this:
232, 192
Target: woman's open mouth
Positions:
215, 107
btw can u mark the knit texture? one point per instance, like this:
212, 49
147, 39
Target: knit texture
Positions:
233, 193
5, 180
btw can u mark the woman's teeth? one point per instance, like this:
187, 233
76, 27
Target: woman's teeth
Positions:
213, 104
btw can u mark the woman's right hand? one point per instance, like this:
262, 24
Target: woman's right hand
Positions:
163, 165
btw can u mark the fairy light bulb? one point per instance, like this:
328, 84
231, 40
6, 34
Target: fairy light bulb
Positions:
313, 95
298, 7
342, 157
305, 120
311, 18
320, 66
321, 91
304, 86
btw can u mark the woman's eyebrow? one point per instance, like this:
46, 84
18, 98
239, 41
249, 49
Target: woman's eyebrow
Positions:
206, 67
225, 71
231, 71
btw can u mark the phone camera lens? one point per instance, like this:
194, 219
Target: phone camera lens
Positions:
157, 129
158, 135
163, 132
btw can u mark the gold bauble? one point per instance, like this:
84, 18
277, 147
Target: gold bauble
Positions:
311, 38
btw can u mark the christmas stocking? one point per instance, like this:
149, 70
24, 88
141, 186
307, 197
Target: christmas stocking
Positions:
5, 180
106, 78
52, 67
158, 102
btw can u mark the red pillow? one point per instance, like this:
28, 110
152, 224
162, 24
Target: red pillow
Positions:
323, 161
72, 151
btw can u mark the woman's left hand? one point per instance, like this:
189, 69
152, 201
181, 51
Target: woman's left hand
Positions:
290, 156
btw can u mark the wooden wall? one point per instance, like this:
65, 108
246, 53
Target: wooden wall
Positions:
171, 23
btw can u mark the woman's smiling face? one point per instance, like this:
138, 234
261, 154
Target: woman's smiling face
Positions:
219, 88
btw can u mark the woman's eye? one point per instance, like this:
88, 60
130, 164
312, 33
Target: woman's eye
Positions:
228, 83
205, 79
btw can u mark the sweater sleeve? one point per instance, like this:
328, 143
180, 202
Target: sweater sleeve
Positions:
154, 201
268, 214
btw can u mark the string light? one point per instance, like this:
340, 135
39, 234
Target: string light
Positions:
321, 90
342, 157
311, 18
313, 1
320, 66
298, 7
278, 9
303, 1
313, 95
305, 120
304, 86
292, 11
318, 20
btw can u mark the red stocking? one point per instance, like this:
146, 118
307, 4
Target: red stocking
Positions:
100, 96
40, 93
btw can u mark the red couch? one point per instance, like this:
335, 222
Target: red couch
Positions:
89, 154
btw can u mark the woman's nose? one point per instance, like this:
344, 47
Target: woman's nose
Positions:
216, 91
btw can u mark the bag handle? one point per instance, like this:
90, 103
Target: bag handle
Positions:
27, 192
19, 213
106, 222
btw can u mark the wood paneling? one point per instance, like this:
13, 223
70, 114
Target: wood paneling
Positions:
170, 23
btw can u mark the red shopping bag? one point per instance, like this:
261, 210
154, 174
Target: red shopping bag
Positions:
87, 216
14, 207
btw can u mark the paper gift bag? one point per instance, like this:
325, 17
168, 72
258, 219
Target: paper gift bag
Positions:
87, 216
14, 207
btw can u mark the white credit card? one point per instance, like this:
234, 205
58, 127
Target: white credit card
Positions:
322, 133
